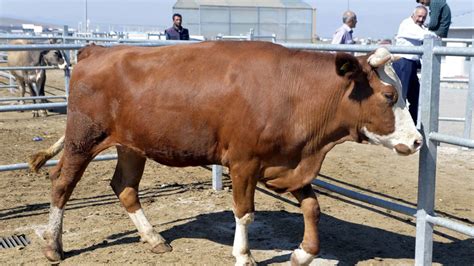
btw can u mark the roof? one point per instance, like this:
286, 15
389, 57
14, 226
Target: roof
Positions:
243, 3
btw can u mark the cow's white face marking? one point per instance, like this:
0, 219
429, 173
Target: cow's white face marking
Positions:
145, 229
240, 249
63, 65
405, 132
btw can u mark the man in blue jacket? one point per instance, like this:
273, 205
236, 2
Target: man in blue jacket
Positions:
177, 32
440, 16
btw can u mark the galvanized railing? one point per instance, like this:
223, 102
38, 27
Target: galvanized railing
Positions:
430, 85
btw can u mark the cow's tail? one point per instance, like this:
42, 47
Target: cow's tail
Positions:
38, 159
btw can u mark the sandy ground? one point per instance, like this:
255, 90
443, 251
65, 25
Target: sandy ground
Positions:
199, 222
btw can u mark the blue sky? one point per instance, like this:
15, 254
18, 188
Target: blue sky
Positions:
377, 18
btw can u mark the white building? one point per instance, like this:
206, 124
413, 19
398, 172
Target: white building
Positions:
462, 28
290, 21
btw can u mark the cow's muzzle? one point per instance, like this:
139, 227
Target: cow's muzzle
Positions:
63, 66
402, 149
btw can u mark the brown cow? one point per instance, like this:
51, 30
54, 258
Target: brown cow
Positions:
268, 113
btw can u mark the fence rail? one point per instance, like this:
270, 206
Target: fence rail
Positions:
11, 99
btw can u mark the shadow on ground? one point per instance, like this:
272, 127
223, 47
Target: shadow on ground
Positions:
280, 230
272, 230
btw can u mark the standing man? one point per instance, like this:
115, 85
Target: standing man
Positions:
411, 33
343, 35
177, 32
440, 16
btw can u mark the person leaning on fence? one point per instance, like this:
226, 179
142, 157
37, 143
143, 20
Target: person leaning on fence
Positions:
177, 32
440, 16
343, 35
411, 33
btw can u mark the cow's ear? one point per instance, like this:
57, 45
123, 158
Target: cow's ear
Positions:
346, 64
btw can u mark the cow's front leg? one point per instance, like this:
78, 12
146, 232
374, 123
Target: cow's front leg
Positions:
309, 248
22, 87
34, 93
125, 182
244, 183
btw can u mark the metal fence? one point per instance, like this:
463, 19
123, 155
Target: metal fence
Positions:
430, 85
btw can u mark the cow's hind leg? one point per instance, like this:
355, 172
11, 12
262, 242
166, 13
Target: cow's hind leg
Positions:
309, 248
64, 178
80, 146
125, 183
244, 183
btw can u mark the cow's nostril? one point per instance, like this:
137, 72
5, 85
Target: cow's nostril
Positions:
417, 143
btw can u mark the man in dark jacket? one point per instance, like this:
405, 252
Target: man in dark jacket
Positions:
440, 16
177, 32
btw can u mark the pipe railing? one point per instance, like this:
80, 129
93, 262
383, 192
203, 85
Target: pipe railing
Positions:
11, 99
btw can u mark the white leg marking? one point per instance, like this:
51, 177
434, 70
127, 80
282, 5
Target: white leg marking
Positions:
240, 249
55, 225
145, 229
302, 257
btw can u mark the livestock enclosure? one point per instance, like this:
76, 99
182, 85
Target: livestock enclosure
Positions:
201, 231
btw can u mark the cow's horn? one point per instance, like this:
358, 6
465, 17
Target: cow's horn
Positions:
375, 61
396, 58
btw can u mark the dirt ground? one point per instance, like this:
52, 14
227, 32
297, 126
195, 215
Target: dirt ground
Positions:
198, 222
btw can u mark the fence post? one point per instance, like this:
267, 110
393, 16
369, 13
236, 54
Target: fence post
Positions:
216, 177
470, 98
431, 65
250, 37
67, 72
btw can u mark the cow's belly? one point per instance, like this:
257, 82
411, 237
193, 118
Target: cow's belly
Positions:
171, 141
181, 156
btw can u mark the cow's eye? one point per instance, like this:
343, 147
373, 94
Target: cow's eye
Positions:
390, 97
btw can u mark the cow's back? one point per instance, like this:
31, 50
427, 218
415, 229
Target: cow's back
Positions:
20, 58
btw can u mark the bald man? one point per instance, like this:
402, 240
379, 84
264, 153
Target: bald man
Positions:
411, 33
440, 16
343, 35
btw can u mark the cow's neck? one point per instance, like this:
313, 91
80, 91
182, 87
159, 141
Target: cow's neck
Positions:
328, 130
39, 58
333, 125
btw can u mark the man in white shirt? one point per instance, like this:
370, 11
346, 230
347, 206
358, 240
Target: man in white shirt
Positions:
411, 33
343, 35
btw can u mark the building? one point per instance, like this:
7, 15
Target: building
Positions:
462, 27
289, 20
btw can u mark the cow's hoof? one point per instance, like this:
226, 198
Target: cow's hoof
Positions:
53, 255
43, 113
246, 260
162, 248
300, 257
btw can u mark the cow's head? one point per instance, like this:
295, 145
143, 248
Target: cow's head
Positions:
54, 58
375, 96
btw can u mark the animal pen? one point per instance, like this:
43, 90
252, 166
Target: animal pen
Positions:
432, 52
